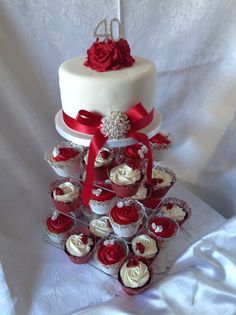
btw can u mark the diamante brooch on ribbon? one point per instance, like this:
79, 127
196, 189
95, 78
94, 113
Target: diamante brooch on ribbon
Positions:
115, 125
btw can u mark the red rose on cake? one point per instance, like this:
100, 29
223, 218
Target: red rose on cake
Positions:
161, 141
65, 195
109, 55
136, 151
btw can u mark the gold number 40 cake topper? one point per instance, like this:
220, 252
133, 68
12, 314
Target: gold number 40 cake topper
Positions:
108, 33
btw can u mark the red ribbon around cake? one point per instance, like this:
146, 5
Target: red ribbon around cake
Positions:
90, 123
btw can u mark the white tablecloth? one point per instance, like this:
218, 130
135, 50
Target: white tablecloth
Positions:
41, 280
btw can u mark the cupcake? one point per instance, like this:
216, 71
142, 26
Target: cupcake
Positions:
126, 217
151, 203
110, 254
162, 229
65, 159
65, 195
145, 246
102, 164
162, 180
58, 226
161, 141
136, 151
135, 276
143, 193
175, 209
79, 247
126, 179
100, 227
102, 200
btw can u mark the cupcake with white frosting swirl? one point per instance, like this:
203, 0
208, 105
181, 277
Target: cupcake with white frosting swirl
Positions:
102, 164
175, 209
163, 179
100, 227
65, 195
79, 247
126, 178
134, 276
145, 246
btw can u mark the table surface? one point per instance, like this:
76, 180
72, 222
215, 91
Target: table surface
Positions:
57, 281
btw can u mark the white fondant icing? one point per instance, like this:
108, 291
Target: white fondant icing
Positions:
103, 92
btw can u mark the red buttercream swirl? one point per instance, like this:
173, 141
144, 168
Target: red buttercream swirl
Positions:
61, 224
160, 138
65, 154
109, 55
111, 253
126, 214
132, 151
105, 194
169, 227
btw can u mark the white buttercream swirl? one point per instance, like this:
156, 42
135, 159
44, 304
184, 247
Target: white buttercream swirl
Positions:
176, 213
76, 247
70, 192
101, 227
161, 174
141, 194
99, 161
135, 276
149, 244
123, 174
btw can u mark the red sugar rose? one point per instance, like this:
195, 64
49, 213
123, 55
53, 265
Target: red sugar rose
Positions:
109, 55
140, 247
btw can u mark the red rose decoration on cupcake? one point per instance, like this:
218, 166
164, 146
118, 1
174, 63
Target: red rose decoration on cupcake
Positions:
109, 55
125, 214
65, 154
162, 227
110, 254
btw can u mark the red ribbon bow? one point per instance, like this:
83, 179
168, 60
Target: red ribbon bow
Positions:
90, 123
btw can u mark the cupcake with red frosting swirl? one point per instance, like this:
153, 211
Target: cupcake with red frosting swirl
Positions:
162, 229
126, 217
65, 195
161, 141
175, 209
65, 159
135, 276
163, 179
102, 199
136, 151
126, 178
110, 253
102, 164
58, 226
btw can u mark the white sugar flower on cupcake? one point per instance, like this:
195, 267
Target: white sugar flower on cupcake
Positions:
65, 159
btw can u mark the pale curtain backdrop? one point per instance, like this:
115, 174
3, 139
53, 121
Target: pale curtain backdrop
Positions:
193, 45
